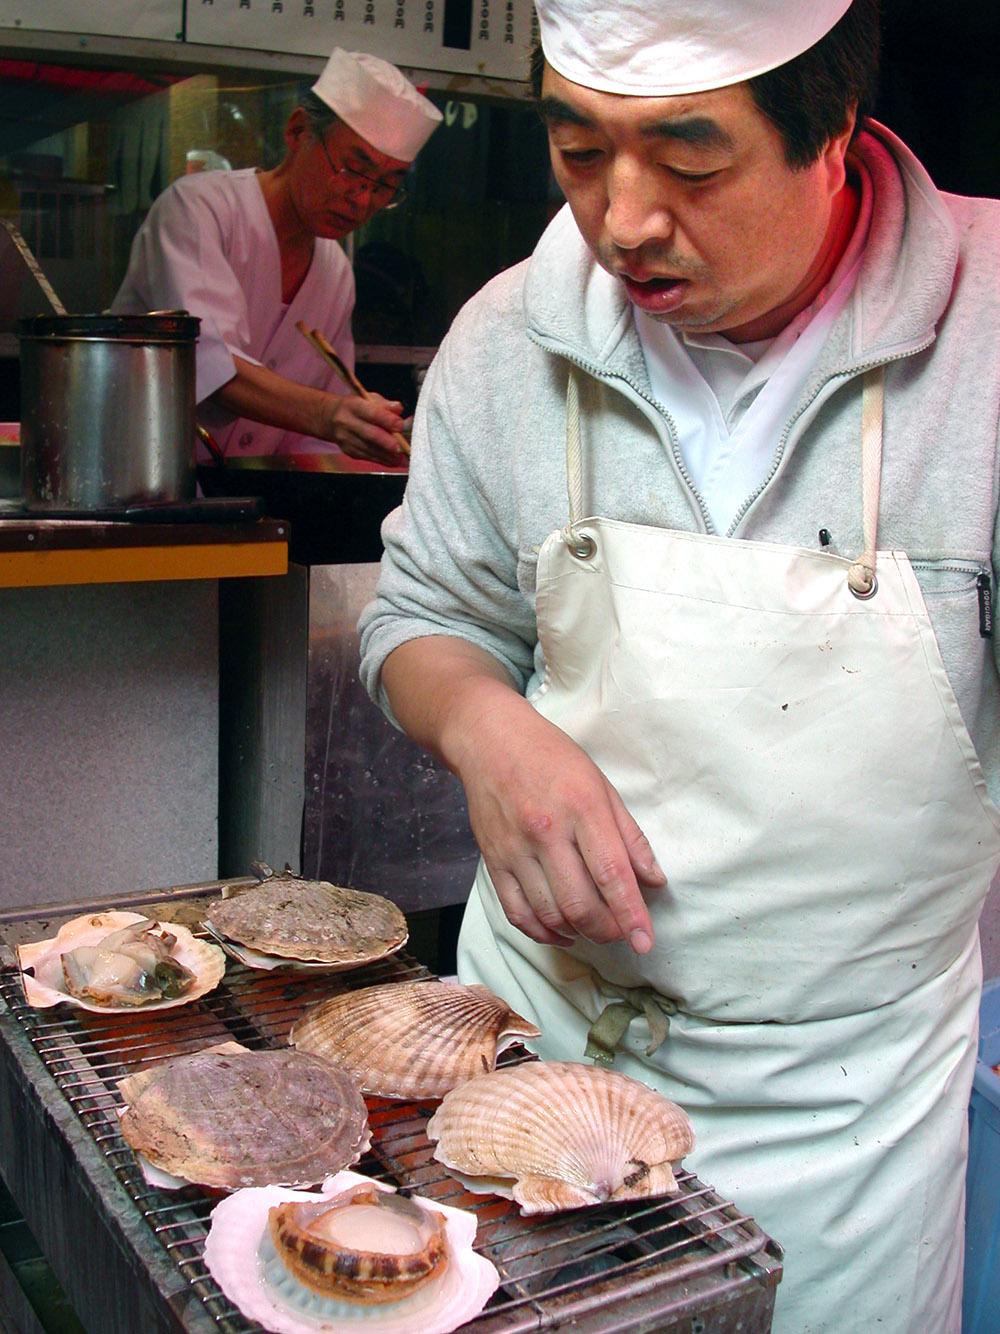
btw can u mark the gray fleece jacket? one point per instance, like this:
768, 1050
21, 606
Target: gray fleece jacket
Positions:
487, 478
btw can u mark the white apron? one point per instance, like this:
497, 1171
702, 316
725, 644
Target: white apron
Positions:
796, 756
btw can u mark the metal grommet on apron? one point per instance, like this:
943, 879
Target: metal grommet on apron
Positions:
796, 757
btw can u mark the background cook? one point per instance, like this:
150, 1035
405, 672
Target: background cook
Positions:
759, 346
254, 252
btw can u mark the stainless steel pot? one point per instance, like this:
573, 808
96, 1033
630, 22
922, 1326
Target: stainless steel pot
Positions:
107, 410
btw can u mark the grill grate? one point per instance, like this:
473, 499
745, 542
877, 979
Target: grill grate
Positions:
638, 1266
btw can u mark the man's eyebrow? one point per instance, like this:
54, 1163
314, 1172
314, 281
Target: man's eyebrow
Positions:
701, 131
554, 111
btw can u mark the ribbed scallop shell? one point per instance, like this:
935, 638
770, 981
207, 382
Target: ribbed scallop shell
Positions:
411, 1039
560, 1135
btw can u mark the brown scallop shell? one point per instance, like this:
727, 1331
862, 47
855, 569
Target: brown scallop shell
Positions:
304, 1236
311, 920
411, 1039
559, 1135
228, 1118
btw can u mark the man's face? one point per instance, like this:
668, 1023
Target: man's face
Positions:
689, 201
343, 181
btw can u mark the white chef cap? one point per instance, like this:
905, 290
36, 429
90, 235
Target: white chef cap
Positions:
377, 102
658, 48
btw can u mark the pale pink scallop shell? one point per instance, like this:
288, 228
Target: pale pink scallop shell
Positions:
559, 1135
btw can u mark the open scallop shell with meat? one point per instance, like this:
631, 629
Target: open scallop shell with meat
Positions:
560, 1135
119, 961
362, 1245
228, 1118
411, 1039
273, 1252
295, 921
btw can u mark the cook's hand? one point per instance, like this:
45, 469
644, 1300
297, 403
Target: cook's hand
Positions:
364, 427
565, 856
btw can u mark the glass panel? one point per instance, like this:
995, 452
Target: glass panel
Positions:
85, 151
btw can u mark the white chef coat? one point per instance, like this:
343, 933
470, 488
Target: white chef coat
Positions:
208, 246
727, 400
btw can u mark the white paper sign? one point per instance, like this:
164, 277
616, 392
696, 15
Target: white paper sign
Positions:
157, 19
490, 38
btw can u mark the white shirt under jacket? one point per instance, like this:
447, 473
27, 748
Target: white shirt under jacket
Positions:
208, 246
729, 401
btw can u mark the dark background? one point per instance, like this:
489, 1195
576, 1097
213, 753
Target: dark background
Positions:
939, 88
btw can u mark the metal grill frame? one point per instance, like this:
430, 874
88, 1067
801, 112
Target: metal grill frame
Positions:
688, 1263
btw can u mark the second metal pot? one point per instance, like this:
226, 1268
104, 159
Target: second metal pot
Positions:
107, 410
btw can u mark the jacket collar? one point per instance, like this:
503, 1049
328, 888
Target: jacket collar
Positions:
574, 307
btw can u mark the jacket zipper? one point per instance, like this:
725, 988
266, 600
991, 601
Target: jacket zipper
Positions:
984, 586
616, 381
863, 369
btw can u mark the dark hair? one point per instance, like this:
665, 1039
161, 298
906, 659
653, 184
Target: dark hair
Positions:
809, 98
319, 116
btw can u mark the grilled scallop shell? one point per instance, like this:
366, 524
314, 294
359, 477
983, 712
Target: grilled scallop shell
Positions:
559, 1135
411, 1039
312, 920
364, 1245
228, 1119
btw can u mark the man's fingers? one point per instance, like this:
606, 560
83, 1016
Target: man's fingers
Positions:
613, 872
640, 853
520, 913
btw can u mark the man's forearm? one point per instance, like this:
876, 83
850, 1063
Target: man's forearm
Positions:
437, 685
265, 396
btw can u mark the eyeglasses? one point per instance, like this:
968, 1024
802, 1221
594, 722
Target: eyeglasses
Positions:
381, 194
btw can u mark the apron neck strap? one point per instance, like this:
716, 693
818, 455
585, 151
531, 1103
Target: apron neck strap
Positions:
861, 575
574, 461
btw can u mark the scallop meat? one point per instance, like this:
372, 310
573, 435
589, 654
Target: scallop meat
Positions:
309, 921
411, 1039
362, 1245
228, 1119
560, 1135
117, 960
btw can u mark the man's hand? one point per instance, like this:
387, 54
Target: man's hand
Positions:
361, 427
365, 428
565, 856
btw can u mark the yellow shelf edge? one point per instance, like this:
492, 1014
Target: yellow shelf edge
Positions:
120, 565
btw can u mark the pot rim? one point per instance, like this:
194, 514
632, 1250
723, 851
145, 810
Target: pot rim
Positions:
165, 327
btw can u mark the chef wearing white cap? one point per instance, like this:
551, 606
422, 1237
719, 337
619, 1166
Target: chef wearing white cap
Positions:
695, 571
254, 253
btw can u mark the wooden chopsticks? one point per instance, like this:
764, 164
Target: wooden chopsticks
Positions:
329, 355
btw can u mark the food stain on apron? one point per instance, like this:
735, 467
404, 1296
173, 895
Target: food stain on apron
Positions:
780, 724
